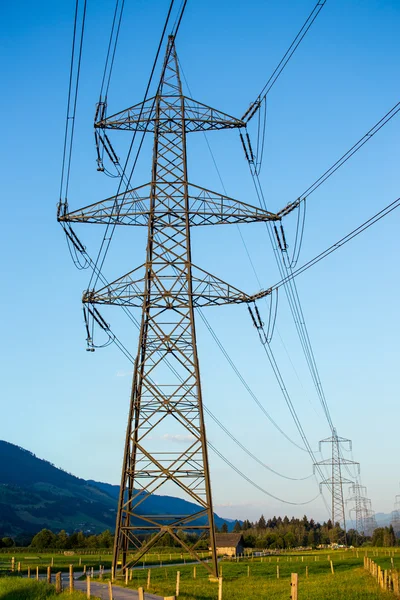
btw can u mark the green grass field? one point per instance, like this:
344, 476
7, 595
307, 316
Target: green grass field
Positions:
246, 579
61, 562
16, 588
257, 580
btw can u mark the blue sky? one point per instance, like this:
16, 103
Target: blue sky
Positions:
70, 406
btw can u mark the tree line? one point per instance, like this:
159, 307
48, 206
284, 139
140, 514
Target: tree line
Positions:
276, 533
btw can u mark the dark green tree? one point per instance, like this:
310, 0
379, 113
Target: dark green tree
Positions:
262, 524
44, 539
224, 528
237, 528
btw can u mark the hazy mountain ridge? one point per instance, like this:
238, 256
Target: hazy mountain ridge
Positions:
35, 494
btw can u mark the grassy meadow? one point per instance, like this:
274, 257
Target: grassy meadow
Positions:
250, 578
62, 561
17, 588
256, 579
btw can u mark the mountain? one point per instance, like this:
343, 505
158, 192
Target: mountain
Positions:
34, 494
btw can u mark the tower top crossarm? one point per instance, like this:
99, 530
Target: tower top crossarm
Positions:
144, 116
335, 438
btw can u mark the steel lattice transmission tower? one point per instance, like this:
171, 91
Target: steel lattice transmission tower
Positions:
336, 480
395, 520
362, 508
166, 400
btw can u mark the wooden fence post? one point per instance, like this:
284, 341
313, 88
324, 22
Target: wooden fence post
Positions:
148, 578
140, 594
110, 596
294, 583
396, 583
19, 567
178, 579
88, 586
332, 569
29, 572
219, 588
52, 561
58, 583
277, 571
194, 572
248, 570
37, 573
307, 571
48, 574
71, 578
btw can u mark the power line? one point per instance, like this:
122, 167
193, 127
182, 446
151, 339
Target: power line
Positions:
371, 221
278, 244
343, 159
243, 381
111, 53
73, 88
251, 111
254, 484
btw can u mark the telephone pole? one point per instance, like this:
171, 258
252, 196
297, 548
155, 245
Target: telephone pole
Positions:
336, 480
166, 401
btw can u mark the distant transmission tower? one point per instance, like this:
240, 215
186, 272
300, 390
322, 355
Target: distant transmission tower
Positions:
336, 480
361, 509
166, 401
370, 521
395, 520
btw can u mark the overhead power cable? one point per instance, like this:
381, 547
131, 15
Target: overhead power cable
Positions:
243, 381
73, 88
371, 221
254, 484
279, 247
251, 111
343, 159
271, 358
112, 47
247, 451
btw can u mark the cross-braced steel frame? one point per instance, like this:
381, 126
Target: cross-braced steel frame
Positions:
361, 509
166, 398
336, 480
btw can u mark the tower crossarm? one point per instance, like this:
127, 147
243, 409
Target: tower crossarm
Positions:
168, 291
331, 481
343, 461
133, 208
144, 117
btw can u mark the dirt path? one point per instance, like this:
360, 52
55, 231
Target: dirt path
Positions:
119, 593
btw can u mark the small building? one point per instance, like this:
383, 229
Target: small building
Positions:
229, 544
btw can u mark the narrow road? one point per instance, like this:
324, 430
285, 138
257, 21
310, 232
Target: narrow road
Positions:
119, 593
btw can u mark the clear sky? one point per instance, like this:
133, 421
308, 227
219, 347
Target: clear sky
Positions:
70, 406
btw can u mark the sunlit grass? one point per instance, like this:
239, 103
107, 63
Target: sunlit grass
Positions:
17, 588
